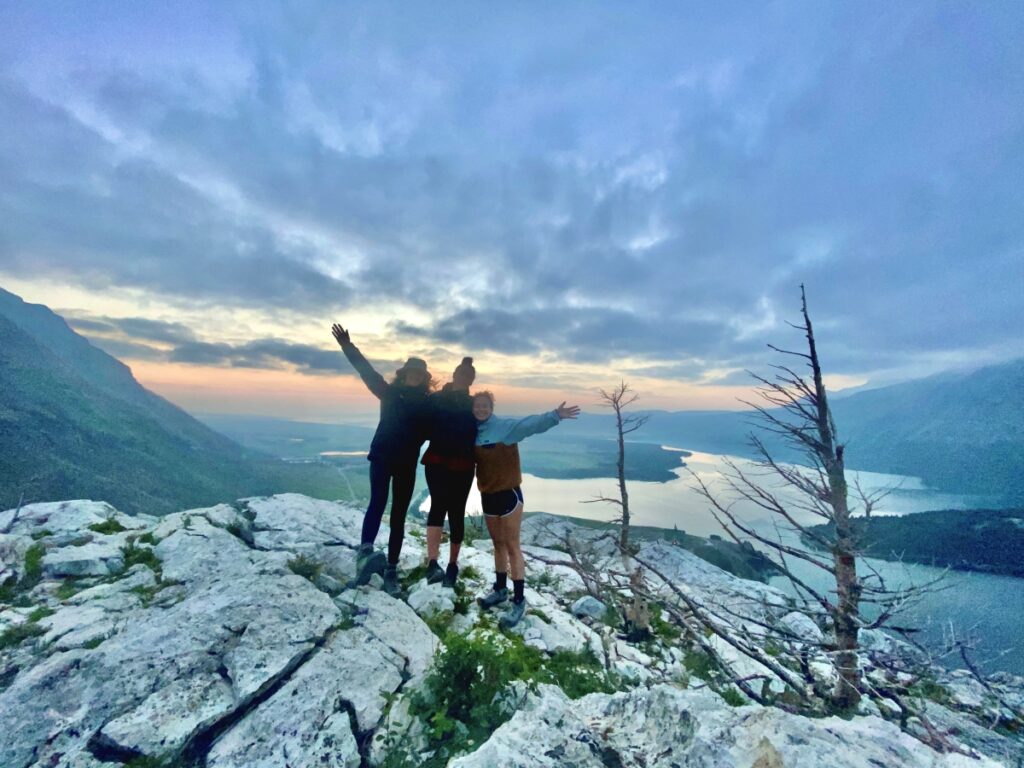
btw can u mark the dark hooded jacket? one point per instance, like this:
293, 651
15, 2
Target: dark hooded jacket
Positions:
451, 429
404, 413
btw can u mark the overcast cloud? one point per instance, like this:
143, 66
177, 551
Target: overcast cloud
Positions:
583, 182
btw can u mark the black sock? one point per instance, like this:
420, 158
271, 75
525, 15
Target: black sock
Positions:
518, 585
500, 580
452, 569
433, 564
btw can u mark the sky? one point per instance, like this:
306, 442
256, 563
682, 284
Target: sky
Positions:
573, 193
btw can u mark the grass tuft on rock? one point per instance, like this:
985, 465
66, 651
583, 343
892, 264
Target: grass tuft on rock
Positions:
14, 636
465, 697
136, 555
306, 567
108, 527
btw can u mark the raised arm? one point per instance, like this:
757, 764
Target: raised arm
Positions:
516, 430
373, 380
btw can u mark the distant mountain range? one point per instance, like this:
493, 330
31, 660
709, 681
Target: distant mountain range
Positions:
74, 423
959, 432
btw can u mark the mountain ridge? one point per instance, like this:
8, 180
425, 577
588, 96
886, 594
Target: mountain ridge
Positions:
74, 422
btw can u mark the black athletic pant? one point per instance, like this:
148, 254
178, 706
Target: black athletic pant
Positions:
402, 479
448, 493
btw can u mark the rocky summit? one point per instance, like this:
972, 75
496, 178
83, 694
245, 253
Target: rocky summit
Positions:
228, 637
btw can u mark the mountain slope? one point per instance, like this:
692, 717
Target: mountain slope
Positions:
962, 432
75, 423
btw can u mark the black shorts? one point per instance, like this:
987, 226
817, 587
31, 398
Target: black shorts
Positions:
501, 503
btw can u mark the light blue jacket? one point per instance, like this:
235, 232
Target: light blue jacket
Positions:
512, 431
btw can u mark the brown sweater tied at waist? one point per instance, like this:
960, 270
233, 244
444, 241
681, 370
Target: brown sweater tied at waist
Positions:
497, 467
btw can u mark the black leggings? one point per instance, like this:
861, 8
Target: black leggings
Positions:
402, 479
448, 493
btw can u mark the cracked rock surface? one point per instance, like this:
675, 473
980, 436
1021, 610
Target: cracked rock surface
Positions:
214, 650
227, 637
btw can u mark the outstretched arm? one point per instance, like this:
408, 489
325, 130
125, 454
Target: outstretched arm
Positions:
517, 430
373, 380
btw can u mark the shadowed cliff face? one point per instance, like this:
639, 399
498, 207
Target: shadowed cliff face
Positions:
226, 636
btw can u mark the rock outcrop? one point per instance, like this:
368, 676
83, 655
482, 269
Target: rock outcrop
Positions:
226, 637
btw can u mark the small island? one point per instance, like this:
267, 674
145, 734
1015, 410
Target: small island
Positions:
985, 540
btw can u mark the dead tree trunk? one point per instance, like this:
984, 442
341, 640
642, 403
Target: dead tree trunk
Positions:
847, 609
618, 400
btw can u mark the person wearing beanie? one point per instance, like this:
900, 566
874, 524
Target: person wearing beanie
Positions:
499, 476
394, 450
448, 466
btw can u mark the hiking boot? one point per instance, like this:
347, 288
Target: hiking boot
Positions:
513, 615
368, 563
391, 585
451, 574
434, 572
493, 598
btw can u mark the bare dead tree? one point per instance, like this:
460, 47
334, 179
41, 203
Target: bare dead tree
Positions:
618, 399
729, 629
17, 513
795, 408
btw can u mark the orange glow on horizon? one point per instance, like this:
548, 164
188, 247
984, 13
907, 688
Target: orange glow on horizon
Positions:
291, 395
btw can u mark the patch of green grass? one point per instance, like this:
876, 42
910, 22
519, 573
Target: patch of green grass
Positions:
662, 628
539, 614
96, 642
611, 617
154, 762
698, 663
107, 527
463, 602
544, 579
306, 567
8, 591
438, 624
460, 701
413, 575
136, 555
14, 636
147, 593
37, 535
33, 571
148, 538
471, 573
68, 589
40, 613
928, 687
733, 697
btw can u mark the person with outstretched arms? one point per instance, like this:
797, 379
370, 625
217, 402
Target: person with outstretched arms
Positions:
393, 454
499, 476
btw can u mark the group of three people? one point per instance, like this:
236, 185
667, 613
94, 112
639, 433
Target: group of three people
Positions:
465, 438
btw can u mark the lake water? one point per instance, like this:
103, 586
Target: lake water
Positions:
990, 609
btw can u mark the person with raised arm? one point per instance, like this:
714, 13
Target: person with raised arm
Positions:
393, 454
499, 476
448, 464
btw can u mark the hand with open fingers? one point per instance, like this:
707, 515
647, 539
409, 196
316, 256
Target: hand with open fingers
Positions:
340, 334
572, 412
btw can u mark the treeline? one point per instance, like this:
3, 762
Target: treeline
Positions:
987, 540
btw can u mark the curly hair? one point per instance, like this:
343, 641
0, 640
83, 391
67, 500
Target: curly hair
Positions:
486, 393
